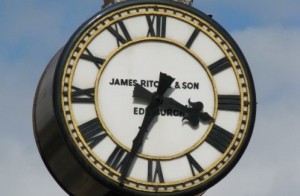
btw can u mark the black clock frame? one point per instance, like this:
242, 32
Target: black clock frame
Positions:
63, 159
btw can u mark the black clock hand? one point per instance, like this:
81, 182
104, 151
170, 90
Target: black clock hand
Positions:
165, 82
138, 141
140, 92
193, 114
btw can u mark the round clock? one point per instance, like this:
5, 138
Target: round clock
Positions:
146, 98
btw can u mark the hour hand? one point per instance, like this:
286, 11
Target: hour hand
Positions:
193, 114
140, 92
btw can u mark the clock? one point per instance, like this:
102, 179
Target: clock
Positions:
146, 98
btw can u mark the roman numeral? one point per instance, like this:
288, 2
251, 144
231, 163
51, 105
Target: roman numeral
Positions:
117, 159
156, 173
229, 102
157, 25
192, 38
90, 57
79, 95
92, 132
219, 138
219, 66
120, 32
194, 165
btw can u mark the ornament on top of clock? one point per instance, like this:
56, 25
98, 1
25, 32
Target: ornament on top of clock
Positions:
110, 2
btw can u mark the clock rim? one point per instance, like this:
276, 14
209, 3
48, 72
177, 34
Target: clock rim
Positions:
59, 111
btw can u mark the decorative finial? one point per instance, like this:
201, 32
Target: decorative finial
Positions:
187, 2
110, 2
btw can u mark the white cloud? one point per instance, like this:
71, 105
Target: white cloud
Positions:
264, 12
272, 54
271, 165
22, 172
32, 32
271, 11
35, 30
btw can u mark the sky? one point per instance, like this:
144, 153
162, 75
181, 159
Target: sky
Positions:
267, 31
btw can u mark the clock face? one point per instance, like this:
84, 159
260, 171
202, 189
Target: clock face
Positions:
110, 75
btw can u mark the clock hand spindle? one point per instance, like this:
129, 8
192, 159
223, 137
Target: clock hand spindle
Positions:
165, 82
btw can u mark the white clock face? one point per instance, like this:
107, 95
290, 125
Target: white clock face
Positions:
130, 47
141, 63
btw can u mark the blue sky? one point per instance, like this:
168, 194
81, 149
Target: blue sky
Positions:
32, 31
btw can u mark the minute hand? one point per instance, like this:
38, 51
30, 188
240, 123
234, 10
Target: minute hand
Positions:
138, 141
193, 114
164, 83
